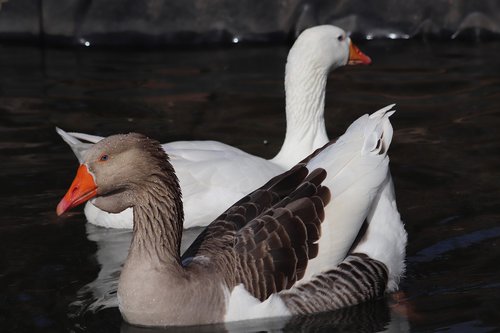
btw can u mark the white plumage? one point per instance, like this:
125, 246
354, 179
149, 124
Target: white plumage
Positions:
361, 187
214, 175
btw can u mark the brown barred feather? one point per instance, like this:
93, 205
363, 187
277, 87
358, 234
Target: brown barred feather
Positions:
357, 279
367, 317
267, 238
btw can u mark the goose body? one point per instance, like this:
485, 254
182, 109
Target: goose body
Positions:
210, 169
286, 248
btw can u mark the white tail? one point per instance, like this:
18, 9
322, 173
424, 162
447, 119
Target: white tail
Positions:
356, 165
79, 148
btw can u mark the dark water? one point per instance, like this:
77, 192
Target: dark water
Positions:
444, 158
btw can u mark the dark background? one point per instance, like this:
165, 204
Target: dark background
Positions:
188, 22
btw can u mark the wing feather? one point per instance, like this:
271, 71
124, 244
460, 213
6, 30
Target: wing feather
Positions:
266, 239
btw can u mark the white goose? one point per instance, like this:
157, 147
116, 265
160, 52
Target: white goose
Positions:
282, 250
214, 175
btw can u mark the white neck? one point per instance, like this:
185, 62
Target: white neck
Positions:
305, 103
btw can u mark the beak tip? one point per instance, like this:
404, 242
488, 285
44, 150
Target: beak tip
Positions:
357, 57
82, 189
62, 207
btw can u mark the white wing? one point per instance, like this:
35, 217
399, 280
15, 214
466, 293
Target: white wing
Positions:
213, 176
357, 165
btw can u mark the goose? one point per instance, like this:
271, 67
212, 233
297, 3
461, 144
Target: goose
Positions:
210, 169
290, 247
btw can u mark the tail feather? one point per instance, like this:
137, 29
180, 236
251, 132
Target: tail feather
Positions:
385, 111
79, 148
357, 165
86, 137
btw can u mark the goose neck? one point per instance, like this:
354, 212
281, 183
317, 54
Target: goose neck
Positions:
305, 104
305, 93
158, 219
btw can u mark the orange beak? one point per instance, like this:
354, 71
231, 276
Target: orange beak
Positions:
82, 189
356, 56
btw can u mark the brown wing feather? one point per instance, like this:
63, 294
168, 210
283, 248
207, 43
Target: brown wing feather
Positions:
266, 239
248, 208
282, 237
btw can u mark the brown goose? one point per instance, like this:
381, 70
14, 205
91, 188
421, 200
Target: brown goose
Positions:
269, 254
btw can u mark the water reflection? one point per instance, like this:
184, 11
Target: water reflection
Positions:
112, 250
374, 316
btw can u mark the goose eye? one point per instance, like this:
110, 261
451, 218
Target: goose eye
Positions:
341, 38
104, 157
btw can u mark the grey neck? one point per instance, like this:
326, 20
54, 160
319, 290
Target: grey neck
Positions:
154, 288
158, 217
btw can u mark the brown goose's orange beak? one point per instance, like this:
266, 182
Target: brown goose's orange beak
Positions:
82, 189
356, 56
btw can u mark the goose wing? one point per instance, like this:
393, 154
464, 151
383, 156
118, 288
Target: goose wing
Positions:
212, 177
266, 239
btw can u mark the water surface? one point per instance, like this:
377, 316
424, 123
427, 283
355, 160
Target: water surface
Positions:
444, 160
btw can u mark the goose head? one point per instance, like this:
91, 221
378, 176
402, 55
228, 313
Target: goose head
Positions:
326, 47
115, 170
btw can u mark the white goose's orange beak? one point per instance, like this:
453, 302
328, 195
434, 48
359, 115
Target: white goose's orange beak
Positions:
82, 189
356, 56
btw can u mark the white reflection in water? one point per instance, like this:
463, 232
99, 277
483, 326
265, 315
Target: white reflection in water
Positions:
112, 250
113, 245
375, 316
